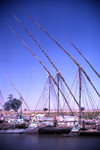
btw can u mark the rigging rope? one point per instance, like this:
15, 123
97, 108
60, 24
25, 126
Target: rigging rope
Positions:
85, 59
1, 99
5, 75
23, 42
45, 55
37, 24
42, 94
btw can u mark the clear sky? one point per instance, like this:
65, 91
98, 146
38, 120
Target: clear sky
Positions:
77, 20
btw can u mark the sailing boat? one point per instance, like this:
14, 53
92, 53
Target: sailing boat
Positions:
78, 65
47, 122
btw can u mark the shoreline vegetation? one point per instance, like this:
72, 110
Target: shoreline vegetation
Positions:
88, 113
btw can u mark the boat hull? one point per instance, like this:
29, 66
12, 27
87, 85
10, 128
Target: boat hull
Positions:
89, 133
54, 130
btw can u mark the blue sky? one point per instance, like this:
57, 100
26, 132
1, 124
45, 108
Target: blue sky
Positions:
76, 20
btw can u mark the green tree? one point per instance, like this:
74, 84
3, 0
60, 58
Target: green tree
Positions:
12, 103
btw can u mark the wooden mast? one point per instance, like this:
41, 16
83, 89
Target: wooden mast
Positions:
1, 104
5, 75
80, 84
46, 56
85, 59
24, 43
49, 93
0, 99
37, 24
58, 93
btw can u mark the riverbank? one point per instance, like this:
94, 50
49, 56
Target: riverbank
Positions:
36, 131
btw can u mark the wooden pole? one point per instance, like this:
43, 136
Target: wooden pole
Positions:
85, 59
72, 58
26, 30
5, 75
80, 84
58, 93
49, 93
24, 43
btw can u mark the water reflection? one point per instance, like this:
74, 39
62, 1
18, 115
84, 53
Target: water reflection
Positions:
48, 142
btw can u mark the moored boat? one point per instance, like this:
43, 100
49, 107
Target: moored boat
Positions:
54, 130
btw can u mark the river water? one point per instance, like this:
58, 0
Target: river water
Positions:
47, 142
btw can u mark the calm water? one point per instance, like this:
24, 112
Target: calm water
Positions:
48, 142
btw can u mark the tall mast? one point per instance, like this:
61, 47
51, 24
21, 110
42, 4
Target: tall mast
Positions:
58, 75
1, 104
23, 42
85, 59
37, 24
49, 92
80, 87
26, 30
0, 99
5, 75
